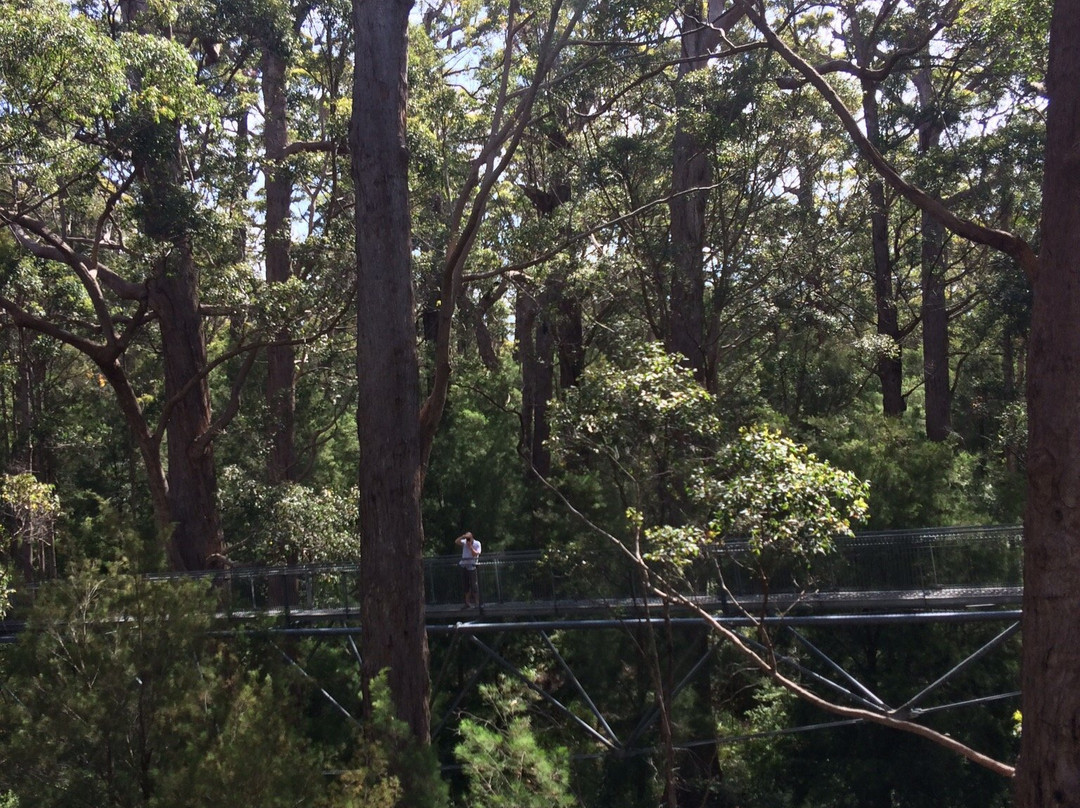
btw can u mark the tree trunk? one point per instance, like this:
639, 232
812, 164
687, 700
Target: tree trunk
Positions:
167, 216
388, 408
571, 337
196, 540
535, 352
281, 357
889, 365
23, 425
690, 175
934, 315
935, 332
149, 447
1048, 774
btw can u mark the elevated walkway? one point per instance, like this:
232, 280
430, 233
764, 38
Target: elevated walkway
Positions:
952, 571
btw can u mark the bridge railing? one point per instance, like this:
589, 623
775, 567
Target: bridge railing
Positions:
948, 558
892, 561
928, 560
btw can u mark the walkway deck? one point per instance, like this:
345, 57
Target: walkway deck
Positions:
951, 570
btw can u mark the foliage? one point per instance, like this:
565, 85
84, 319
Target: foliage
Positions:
475, 481
290, 523
643, 424
780, 497
45, 55
657, 427
5, 591
31, 508
388, 766
25, 498
631, 411
505, 764
914, 481
87, 100
154, 711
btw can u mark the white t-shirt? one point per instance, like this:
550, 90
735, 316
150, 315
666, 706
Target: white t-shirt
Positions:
470, 552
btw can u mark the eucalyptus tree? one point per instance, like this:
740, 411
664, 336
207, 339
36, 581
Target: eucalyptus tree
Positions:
959, 98
281, 357
1050, 754
31, 395
159, 155
684, 485
759, 275
303, 69
688, 329
394, 426
932, 99
101, 171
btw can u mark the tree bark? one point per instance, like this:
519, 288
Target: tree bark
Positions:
889, 365
281, 356
935, 332
172, 292
535, 350
196, 541
388, 408
935, 317
690, 175
24, 414
1048, 775
571, 337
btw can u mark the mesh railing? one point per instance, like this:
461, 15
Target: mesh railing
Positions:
893, 561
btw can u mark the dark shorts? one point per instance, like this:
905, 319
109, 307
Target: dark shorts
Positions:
469, 580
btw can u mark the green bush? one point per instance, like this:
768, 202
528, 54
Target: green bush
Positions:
116, 694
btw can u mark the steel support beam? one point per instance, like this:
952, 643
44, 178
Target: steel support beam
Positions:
907, 706
851, 680
541, 692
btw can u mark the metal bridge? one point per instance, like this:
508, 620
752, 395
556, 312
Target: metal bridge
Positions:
951, 575
944, 571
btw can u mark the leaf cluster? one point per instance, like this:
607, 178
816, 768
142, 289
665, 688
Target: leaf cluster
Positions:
137, 706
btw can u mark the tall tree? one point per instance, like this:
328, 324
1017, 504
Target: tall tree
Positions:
689, 330
280, 356
932, 261
394, 430
133, 169
387, 415
173, 294
1049, 770
866, 46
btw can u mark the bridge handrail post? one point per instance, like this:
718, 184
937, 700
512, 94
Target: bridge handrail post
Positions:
285, 595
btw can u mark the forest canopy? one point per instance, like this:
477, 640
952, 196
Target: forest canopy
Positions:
286, 283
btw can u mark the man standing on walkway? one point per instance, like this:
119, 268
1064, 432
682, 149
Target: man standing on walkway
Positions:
470, 554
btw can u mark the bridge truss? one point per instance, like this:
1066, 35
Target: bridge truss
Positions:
564, 635
536, 627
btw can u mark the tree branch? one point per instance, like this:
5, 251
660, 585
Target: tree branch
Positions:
24, 319
53, 248
508, 137
769, 669
1003, 241
871, 716
308, 146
